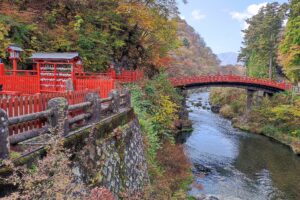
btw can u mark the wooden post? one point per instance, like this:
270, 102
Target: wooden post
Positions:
115, 103
95, 108
58, 121
4, 140
1, 69
38, 68
55, 77
127, 98
15, 66
73, 75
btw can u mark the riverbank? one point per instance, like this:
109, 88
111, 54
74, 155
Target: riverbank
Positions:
276, 117
292, 142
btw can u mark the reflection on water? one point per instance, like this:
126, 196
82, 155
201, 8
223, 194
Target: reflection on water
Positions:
242, 165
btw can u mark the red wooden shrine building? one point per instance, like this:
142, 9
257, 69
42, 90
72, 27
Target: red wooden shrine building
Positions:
57, 73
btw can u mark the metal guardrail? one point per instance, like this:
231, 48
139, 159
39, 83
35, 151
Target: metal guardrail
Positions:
58, 119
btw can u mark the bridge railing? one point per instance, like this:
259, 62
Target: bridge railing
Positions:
230, 78
60, 118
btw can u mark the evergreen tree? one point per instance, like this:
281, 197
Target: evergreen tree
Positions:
261, 40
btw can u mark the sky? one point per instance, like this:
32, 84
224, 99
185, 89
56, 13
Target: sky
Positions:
220, 22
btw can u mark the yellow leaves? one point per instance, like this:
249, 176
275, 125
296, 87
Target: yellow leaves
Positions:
155, 27
78, 23
287, 112
290, 61
167, 112
138, 14
4, 41
158, 33
3, 31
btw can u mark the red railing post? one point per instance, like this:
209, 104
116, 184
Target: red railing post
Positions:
15, 66
113, 74
38, 68
73, 74
1, 69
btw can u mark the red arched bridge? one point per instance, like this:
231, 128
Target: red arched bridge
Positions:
245, 82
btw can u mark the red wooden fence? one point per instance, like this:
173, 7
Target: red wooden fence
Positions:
26, 84
103, 85
52, 77
130, 76
125, 76
22, 105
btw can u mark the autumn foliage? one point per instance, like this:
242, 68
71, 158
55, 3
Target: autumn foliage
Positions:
176, 175
126, 33
100, 193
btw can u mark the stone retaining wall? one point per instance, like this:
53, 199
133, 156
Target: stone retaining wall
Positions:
115, 160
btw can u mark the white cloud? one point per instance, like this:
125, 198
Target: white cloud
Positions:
254, 8
197, 15
239, 16
251, 10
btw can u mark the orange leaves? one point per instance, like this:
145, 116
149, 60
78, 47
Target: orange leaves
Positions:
165, 61
100, 193
290, 62
157, 33
9, 9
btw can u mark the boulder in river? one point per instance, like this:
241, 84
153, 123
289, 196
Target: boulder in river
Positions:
215, 109
197, 104
198, 168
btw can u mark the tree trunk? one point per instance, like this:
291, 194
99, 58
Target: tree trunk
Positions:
270, 67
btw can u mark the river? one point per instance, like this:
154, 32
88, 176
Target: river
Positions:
230, 164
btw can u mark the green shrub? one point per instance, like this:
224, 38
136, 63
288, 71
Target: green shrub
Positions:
296, 133
156, 104
270, 129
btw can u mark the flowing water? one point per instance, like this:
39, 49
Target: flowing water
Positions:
230, 164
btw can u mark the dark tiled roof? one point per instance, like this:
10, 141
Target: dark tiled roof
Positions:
55, 56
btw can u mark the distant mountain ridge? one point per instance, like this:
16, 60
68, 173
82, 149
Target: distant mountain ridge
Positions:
228, 58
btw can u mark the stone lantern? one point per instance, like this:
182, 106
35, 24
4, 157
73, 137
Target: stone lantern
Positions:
14, 55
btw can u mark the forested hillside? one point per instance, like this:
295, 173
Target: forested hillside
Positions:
128, 33
193, 56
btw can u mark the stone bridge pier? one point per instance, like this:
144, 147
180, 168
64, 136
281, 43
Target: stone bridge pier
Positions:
250, 95
255, 97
